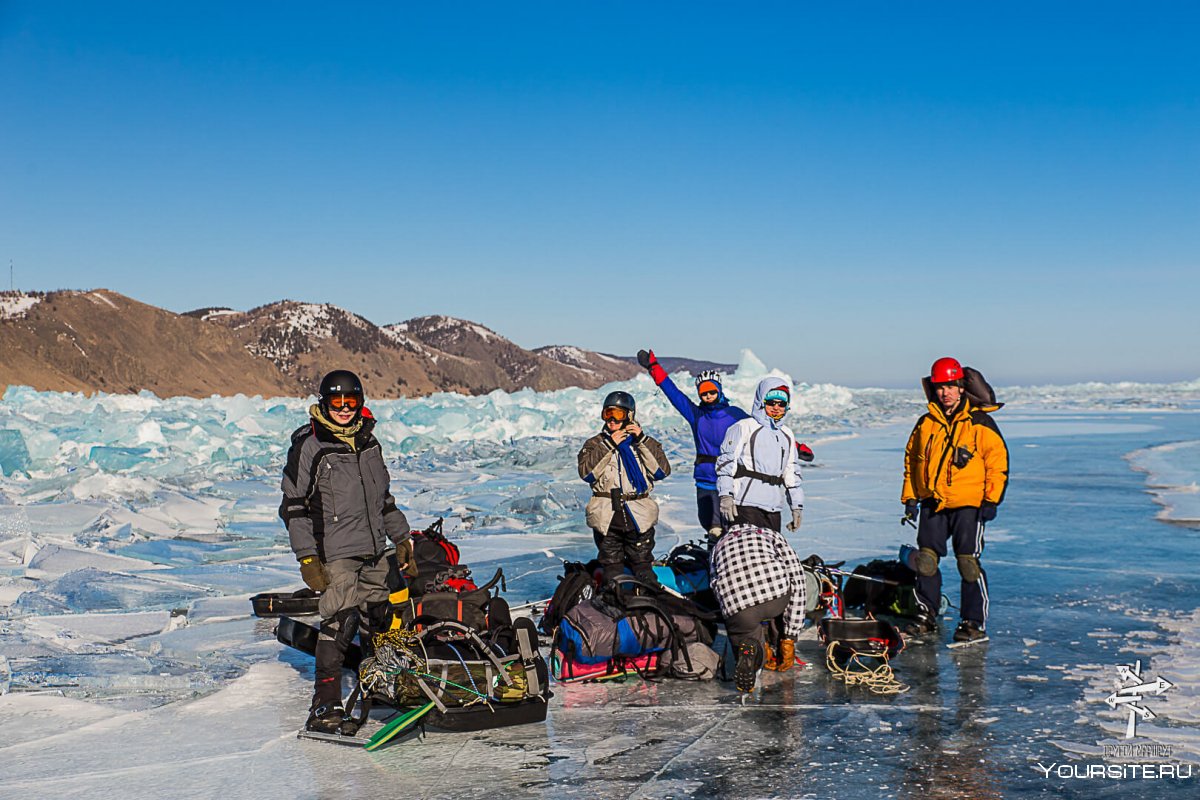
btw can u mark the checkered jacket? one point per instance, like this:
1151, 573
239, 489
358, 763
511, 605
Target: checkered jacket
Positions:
753, 565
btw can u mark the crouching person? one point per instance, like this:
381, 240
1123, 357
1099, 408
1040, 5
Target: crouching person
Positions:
757, 578
340, 513
621, 464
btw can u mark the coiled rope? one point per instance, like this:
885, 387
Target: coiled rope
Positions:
856, 672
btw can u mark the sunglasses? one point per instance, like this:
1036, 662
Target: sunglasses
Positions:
780, 403
344, 402
614, 413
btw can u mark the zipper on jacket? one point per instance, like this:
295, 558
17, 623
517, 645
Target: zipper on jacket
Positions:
945, 454
375, 538
332, 492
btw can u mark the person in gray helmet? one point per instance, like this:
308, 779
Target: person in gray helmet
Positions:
621, 464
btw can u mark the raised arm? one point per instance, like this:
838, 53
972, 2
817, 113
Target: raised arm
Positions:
682, 402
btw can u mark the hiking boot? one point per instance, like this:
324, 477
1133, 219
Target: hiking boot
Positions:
969, 631
749, 659
331, 719
920, 626
787, 655
784, 659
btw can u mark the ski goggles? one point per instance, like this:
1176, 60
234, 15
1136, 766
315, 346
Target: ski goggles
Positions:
344, 402
614, 413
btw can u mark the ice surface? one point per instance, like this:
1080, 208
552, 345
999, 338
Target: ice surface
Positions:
1172, 472
132, 538
14, 455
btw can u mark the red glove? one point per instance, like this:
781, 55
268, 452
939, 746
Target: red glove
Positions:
646, 359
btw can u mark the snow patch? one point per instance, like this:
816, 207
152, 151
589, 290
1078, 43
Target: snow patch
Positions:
94, 296
14, 305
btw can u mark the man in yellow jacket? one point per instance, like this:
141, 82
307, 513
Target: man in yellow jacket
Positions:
955, 474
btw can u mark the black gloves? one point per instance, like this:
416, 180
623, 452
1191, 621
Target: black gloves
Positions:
646, 359
314, 574
987, 512
910, 513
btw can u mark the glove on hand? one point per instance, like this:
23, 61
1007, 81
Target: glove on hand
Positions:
728, 508
987, 512
646, 358
910, 513
804, 453
797, 518
404, 558
315, 576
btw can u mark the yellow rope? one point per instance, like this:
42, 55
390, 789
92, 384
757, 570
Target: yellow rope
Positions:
878, 680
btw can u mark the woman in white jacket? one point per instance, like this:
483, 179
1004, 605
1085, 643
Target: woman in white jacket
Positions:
757, 475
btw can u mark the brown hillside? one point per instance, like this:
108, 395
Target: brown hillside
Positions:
101, 340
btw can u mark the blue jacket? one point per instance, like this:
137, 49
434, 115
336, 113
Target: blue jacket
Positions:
709, 424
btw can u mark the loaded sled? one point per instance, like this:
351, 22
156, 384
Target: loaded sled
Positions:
453, 659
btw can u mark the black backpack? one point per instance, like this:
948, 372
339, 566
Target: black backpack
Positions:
472, 607
577, 583
878, 598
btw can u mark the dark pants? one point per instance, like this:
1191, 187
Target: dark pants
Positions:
752, 622
356, 601
963, 527
619, 547
753, 515
708, 509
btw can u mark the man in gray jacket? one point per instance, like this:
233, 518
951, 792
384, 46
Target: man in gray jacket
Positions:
621, 464
340, 514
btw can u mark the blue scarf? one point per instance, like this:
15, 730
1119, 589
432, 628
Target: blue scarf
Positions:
632, 467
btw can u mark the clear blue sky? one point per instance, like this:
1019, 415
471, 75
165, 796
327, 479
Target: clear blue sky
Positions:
850, 189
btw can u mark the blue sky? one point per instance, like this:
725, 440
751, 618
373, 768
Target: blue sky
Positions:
849, 189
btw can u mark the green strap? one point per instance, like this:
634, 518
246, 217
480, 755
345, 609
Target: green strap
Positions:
396, 726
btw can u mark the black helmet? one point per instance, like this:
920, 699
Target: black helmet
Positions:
340, 381
621, 400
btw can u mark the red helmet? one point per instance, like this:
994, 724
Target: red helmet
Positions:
945, 370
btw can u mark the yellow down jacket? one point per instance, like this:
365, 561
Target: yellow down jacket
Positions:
958, 462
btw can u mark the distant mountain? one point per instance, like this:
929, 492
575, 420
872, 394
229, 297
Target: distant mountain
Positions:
491, 361
693, 366
605, 368
101, 340
104, 341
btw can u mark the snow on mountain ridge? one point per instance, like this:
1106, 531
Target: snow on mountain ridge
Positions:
14, 305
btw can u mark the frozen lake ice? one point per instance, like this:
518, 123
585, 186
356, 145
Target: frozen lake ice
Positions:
133, 666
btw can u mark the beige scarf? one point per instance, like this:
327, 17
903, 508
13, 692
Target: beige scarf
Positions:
344, 432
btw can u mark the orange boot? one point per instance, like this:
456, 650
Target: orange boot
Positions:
769, 661
787, 655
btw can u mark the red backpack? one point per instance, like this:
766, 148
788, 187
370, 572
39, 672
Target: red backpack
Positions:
436, 556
